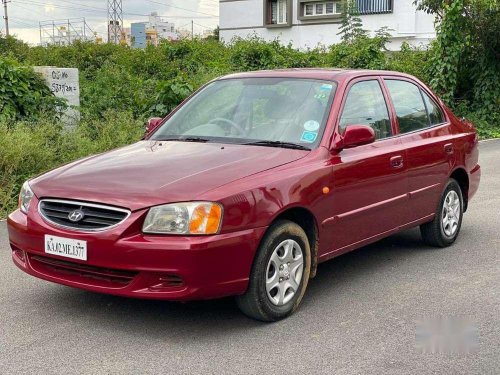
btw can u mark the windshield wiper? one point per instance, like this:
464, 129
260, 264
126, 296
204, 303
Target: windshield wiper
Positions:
279, 144
184, 139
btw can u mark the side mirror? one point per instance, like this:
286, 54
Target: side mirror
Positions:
356, 135
153, 123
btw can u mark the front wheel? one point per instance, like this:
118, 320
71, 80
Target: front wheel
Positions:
445, 227
279, 275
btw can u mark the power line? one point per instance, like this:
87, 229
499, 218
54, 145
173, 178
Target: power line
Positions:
83, 5
205, 27
22, 23
91, 9
176, 7
27, 9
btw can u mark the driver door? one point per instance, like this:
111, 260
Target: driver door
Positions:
370, 181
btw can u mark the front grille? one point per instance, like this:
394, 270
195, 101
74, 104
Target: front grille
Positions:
112, 277
91, 217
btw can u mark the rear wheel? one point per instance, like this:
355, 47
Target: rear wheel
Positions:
445, 227
279, 275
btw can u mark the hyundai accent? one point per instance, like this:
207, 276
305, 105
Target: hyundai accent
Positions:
249, 184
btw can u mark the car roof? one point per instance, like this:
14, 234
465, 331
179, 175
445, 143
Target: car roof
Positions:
315, 73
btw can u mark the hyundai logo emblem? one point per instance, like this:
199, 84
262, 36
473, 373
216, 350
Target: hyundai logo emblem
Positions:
76, 216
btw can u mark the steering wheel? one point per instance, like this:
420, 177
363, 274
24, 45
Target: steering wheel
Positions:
234, 125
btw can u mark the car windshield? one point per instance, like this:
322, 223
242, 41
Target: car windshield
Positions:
279, 112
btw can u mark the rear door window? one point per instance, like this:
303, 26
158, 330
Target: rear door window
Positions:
409, 105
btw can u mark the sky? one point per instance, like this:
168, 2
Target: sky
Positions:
25, 15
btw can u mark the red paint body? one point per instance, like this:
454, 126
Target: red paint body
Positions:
375, 190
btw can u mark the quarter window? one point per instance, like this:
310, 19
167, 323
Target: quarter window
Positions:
409, 105
365, 105
435, 115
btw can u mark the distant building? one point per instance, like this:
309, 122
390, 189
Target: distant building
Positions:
138, 35
65, 32
152, 32
307, 23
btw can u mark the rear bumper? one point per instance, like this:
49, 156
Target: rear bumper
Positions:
474, 180
125, 262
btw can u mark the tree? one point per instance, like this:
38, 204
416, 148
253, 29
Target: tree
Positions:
351, 27
465, 62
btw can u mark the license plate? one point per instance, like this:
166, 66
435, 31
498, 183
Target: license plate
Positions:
65, 247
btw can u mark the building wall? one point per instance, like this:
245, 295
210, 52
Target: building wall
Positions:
138, 35
243, 18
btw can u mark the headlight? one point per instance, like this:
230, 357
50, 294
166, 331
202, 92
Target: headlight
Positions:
25, 197
184, 218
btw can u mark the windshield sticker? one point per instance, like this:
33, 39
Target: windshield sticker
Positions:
309, 137
311, 125
326, 87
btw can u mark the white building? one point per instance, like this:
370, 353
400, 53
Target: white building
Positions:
164, 29
141, 34
309, 23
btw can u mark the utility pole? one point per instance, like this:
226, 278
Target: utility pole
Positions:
115, 21
6, 17
192, 29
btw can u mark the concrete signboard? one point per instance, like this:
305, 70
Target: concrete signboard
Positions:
64, 83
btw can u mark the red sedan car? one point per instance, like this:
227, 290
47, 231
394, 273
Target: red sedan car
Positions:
248, 185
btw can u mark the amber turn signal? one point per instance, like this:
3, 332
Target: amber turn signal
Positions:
205, 219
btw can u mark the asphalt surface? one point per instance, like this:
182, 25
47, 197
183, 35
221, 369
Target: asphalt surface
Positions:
359, 316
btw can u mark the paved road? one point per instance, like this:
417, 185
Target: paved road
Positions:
358, 317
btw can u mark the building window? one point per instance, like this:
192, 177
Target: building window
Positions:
374, 6
277, 12
330, 8
323, 8
309, 9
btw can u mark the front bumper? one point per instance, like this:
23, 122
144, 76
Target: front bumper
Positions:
123, 261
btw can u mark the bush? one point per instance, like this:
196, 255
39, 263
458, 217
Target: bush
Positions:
27, 150
362, 53
24, 94
410, 60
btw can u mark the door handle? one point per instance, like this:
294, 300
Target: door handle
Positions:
397, 162
448, 148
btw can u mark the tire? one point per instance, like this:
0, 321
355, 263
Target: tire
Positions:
269, 295
444, 229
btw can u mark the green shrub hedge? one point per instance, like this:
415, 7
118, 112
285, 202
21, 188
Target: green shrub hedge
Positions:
121, 87
28, 149
24, 94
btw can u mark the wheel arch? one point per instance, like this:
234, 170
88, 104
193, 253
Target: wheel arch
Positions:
307, 221
461, 176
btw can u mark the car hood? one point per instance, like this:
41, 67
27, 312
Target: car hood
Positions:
150, 173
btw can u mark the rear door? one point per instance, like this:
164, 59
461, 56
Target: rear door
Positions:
370, 181
425, 133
